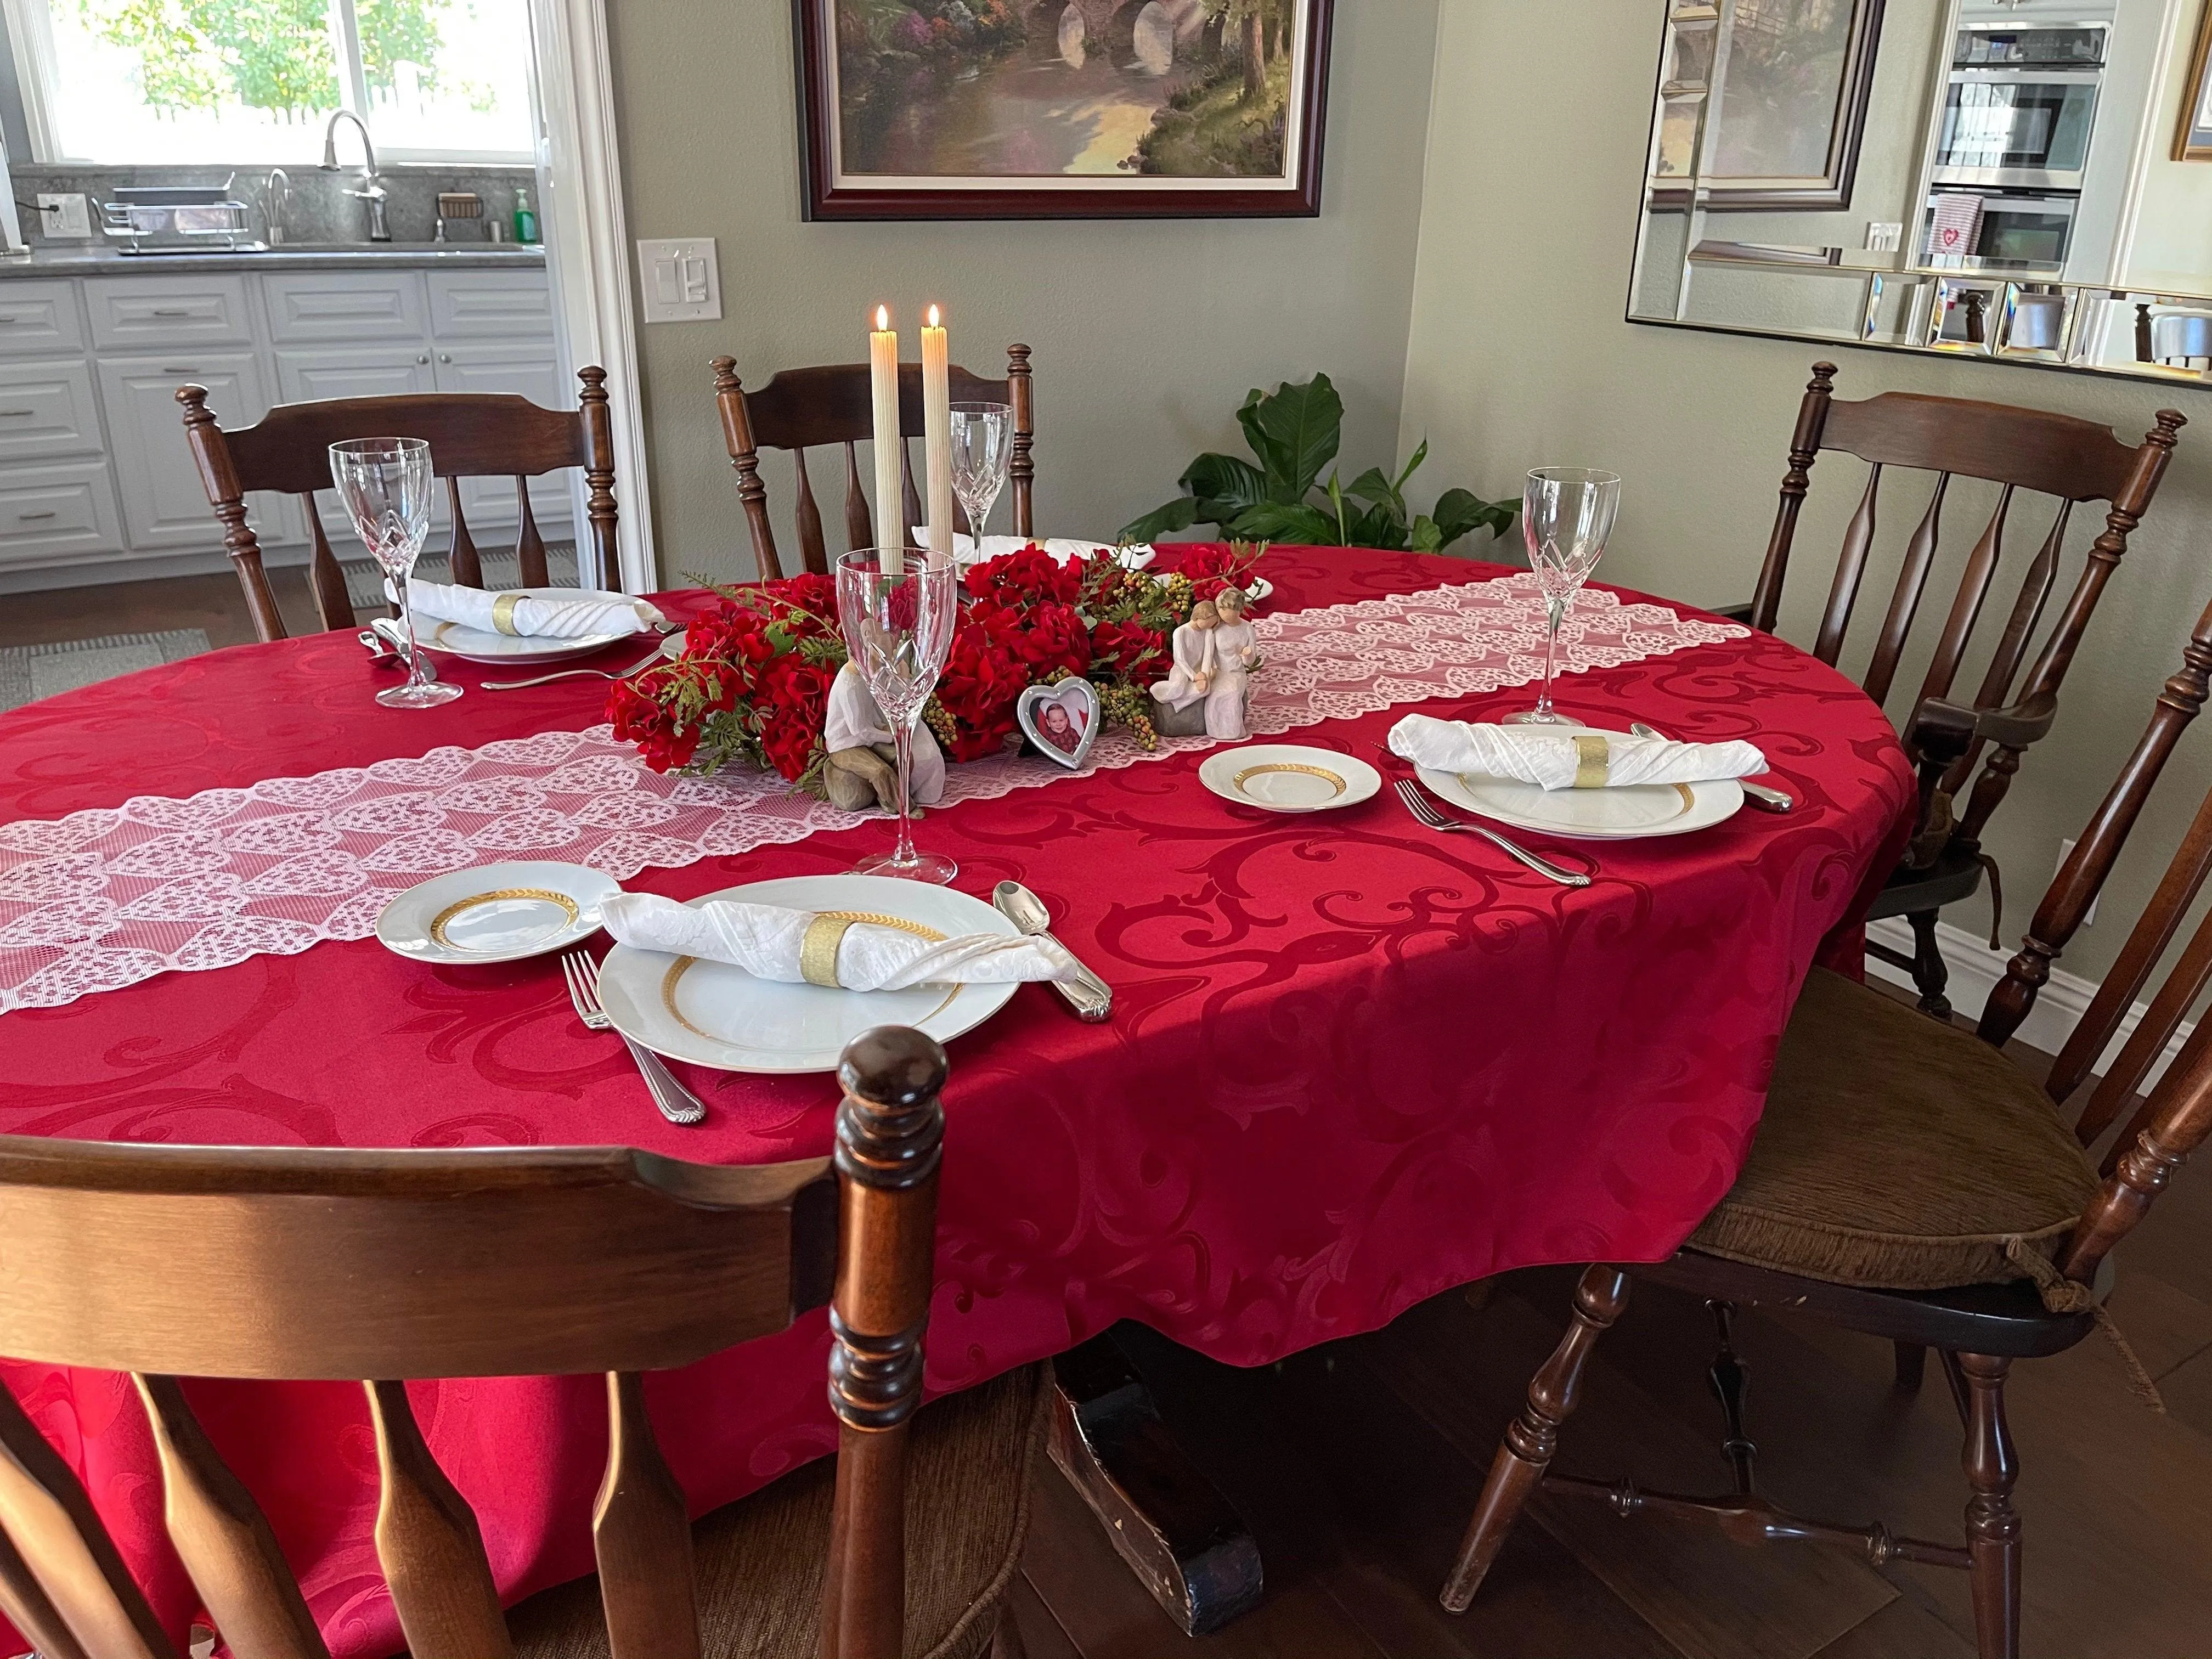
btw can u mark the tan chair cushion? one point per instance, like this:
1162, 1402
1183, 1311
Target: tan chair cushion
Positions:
761, 1560
1897, 1153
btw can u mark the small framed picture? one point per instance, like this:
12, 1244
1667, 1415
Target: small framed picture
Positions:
1062, 109
2192, 140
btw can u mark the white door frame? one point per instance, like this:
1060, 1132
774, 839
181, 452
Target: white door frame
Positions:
587, 246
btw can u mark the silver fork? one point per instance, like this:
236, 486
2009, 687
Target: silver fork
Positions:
677, 1103
574, 674
1420, 806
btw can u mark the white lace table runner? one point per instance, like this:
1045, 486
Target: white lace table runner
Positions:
108, 896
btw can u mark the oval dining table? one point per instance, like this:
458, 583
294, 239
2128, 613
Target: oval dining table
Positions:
1352, 1062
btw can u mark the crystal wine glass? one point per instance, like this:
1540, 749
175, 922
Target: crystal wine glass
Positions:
1566, 514
981, 435
898, 629
385, 485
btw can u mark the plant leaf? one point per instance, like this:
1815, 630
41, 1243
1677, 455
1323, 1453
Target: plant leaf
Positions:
1177, 514
1286, 521
1412, 466
1295, 432
1224, 480
1458, 511
1378, 526
1372, 486
1427, 539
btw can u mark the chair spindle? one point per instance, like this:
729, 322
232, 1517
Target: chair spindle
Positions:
26, 1606
860, 524
1804, 451
45, 1513
642, 1536
909, 498
333, 608
223, 1538
737, 439
1843, 593
2035, 590
813, 550
529, 545
463, 567
1966, 607
1905, 601
428, 1543
1021, 467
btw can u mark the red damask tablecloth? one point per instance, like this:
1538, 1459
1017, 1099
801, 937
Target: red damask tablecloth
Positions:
1353, 1063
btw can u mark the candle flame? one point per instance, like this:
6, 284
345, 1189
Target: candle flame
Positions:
932, 317
882, 318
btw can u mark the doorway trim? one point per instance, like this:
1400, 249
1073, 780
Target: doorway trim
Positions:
578, 159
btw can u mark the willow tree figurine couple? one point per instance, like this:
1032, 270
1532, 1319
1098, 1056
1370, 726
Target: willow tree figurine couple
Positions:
1209, 689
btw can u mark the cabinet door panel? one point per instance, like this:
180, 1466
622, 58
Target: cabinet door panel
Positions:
339, 307
164, 503
39, 317
386, 371
47, 409
523, 369
491, 304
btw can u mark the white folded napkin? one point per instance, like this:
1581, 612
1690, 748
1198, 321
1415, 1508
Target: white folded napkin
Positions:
1553, 759
537, 619
808, 947
1135, 557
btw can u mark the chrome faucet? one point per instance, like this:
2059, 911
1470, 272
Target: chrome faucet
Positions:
276, 197
371, 192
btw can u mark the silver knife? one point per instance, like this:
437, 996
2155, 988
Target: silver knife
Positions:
1766, 800
1092, 997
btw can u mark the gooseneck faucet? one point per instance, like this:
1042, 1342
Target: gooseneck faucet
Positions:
370, 191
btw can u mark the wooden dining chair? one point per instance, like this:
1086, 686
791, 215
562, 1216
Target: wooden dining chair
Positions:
2058, 456
471, 435
178, 1261
1909, 1182
804, 409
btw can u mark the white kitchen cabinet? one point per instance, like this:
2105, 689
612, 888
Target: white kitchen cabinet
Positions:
344, 307
522, 368
58, 514
485, 305
39, 318
385, 371
160, 312
165, 505
47, 409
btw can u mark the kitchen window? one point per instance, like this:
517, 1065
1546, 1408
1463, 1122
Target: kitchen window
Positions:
252, 82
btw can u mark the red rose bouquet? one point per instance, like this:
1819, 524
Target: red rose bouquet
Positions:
753, 682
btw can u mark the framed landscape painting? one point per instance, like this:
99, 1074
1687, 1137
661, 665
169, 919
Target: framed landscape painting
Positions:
1062, 109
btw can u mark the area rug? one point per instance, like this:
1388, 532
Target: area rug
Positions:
365, 582
28, 672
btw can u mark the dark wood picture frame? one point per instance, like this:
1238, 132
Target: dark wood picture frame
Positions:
2192, 138
825, 196
1832, 190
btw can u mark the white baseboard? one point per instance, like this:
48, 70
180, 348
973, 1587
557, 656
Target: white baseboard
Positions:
1975, 969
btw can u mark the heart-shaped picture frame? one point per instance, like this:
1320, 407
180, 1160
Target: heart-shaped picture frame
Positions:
1062, 720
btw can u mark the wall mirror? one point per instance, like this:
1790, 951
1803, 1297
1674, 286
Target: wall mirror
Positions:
2027, 180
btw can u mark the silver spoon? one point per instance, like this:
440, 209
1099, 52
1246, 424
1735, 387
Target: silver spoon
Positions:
1765, 800
1092, 999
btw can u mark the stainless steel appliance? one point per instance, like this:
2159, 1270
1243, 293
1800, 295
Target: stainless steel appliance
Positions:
2025, 229
2020, 105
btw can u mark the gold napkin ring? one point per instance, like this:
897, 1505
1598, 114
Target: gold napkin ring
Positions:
1592, 762
818, 952
502, 613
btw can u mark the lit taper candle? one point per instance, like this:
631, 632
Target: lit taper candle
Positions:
883, 376
937, 436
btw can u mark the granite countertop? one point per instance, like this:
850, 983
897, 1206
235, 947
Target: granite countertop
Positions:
83, 259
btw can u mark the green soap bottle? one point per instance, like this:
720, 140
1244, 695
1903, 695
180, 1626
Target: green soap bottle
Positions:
525, 216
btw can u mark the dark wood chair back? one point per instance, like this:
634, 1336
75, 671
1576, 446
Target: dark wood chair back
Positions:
220, 1261
471, 435
804, 409
2174, 1118
2018, 449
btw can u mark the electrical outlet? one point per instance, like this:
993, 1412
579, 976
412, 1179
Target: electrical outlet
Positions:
682, 284
2065, 852
1884, 237
64, 215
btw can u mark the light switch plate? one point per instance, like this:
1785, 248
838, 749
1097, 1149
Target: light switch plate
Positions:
1885, 236
681, 281
64, 215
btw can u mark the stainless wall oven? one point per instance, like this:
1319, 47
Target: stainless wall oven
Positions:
2019, 106
2029, 230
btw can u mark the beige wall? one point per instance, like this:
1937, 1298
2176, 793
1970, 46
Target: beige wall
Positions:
1146, 334
1519, 356
2174, 225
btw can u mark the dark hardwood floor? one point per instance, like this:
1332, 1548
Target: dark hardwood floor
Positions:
1356, 1465
213, 603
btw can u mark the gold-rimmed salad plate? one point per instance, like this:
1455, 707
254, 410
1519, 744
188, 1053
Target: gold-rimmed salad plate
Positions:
1629, 813
1287, 777
496, 912
713, 1014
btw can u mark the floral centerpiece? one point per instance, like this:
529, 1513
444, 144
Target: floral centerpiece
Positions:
752, 684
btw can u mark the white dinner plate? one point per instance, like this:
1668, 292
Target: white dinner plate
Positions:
496, 912
713, 1014
1630, 813
1283, 777
516, 650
